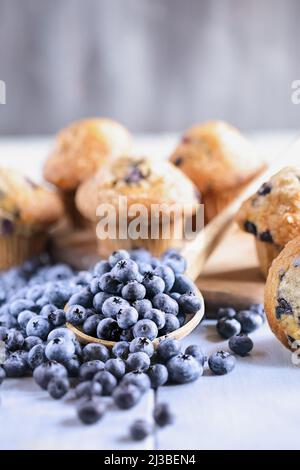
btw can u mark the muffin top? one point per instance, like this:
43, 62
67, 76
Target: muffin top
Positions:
141, 180
282, 295
24, 203
273, 213
216, 156
81, 148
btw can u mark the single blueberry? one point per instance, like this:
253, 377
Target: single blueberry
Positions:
140, 255
94, 351
144, 268
168, 276
61, 333
47, 371
195, 351
249, 320
162, 415
266, 236
31, 341
84, 298
36, 355
125, 270
76, 315
7, 321
221, 362
57, 317
174, 260
89, 369
140, 429
265, 189
95, 285
121, 349
145, 328
15, 366
17, 306
110, 285
60, 350
113, 305
108, 329
154, 284
183, 284
118, 256
189, 303
133, 290
107, 380
90, 325
126, 396
88, 389
138, 361
116, 367
127, 317
73, 366
46, 310
165, 303
38, 326
171, 324
99, 300
90, 412
142, 306
24, 317
158, 375
157, 316
241, 344
226, 312
167, 349
137, 378
58, 387
228, 327
142, 345
250, 227
14, 340
101, 268
184, 368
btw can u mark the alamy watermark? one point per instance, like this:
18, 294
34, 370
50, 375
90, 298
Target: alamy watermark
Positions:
2, 92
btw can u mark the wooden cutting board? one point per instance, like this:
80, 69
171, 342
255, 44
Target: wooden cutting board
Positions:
231, 276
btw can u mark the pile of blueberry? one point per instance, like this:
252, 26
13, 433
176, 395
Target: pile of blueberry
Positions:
134, 295
132, 298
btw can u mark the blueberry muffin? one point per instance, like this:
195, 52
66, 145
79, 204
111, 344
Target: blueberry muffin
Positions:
78, 152
146, 182
220, 162
282, 295
272, 215
26, 211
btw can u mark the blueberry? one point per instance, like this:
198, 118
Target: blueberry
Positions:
121, 349
181, 318
83, 278
175, 296
228, 327
38, 326
58, 387
175, 261
15, 366
226, 312
162, 415
167, 349
165, 303
142, 306
118, 256
60, 350
241, 344
126, 335
183, 284
88, 389
184, 368
89, 326
137, 378
168, 276
157, 316
171, 324
250, 227
17, 306
138, 361
140, 255
24, 317
89, 369
7, 320
144, 267
31, 341
249, 320
58, 295
154, 284
47, 371
141, 344
140, 429
126, 270
283, 308
99, 300
36, 356
145, 328
189, 303
195, 351
133, 290
126, 396
116, 367
221, 362
2, 375
158, 375
61, 333
107, 380
34, 293
90, 412
42, 301
15, 340
94, 351
73, 366
95, 285
127, 317
84, 298
3, 333
57, 317
113, 305
76, 315
108, 329
109, 284
59, 272
101, 268
266, 237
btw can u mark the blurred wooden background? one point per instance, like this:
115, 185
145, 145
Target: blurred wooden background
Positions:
156, 65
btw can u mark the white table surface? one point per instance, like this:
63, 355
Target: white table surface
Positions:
254, 407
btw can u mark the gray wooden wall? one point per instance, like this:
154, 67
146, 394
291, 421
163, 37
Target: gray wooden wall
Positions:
156, 65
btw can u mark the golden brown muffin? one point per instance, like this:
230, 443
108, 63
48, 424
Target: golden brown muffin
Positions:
79, 151
140, 181
272, 215
26, 211
282, 295
220, 162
